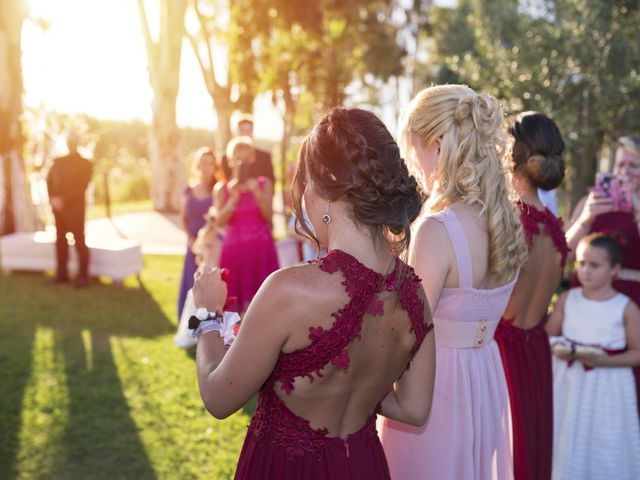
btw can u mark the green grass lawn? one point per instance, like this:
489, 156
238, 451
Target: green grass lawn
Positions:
92, 386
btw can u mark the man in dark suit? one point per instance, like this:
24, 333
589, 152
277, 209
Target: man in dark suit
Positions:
262, 166
67, 182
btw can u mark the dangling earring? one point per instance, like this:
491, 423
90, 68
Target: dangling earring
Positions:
326, 218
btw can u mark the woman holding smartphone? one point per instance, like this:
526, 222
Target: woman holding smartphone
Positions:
596, 212
245, 211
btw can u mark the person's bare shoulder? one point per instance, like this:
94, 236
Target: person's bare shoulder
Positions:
299, 289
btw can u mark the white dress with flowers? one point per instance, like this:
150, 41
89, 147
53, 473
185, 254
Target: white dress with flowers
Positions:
596, 431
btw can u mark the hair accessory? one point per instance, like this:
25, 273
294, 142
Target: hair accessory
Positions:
326, 218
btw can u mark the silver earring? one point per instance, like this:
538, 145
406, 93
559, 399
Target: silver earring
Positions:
326, 218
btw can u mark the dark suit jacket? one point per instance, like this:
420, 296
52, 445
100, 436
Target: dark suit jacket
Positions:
262, 167
69, 177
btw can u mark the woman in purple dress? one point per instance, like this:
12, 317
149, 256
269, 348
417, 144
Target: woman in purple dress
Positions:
194, 204
328, 344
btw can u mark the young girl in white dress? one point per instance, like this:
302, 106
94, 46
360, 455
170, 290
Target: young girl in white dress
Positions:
596, 426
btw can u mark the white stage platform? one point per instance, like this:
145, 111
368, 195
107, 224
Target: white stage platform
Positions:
35, 251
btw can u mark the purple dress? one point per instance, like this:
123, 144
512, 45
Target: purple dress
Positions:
196, 208
248, 250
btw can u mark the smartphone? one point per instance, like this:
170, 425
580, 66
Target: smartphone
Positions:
617, 187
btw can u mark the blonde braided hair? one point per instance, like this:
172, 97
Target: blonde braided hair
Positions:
472, 139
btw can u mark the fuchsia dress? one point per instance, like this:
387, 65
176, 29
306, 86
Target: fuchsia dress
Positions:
467, 434
248, 250
282, 445
526, 356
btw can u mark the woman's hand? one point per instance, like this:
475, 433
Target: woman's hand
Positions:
562, 351
590, 356
596, 204
209, 290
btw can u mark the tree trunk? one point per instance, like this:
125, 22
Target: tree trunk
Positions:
167, 167
224, 108
589, 149
15, 211
289, 116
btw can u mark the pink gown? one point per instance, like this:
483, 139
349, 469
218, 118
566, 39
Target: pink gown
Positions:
467, 435
248, 251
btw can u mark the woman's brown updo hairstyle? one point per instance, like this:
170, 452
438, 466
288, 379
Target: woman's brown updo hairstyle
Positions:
537, 150
351, 156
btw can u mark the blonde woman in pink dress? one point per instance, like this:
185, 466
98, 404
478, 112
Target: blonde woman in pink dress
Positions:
468, 249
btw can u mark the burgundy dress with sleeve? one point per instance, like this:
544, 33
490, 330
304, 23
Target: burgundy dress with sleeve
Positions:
624, 224
526, 356
283, 445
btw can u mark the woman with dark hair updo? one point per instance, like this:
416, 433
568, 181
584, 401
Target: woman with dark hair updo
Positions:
535, 163
328, 345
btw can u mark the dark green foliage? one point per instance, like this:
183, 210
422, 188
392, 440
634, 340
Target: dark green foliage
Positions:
577, 61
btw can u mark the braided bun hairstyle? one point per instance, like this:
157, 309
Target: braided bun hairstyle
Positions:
470, 128
351, 156
537, 150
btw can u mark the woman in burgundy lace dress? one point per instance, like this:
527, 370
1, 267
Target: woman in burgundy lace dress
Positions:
329, 344
596, 213
536, 163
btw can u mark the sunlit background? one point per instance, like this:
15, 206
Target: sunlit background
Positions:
89, 57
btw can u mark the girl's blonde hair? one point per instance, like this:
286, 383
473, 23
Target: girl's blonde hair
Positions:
236, 143
472, 140
631, 143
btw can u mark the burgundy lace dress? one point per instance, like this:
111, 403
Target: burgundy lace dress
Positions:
282, 445
526, 356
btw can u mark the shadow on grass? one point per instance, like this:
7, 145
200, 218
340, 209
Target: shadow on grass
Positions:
99, 430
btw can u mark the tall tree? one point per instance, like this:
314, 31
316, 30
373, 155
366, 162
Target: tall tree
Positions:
167, 165
577, 61
307, 55
15, 213
222, 44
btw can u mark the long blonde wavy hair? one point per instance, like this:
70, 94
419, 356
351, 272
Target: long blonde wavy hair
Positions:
472, 140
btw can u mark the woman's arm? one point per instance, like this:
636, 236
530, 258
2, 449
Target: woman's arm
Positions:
586, 211
629, 358
225, 208
410, 399
554, 323
228, 378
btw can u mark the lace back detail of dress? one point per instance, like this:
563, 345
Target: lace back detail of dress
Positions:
273, 421
363, 286
531, 219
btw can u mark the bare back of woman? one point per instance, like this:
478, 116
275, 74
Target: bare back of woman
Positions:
342, 394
